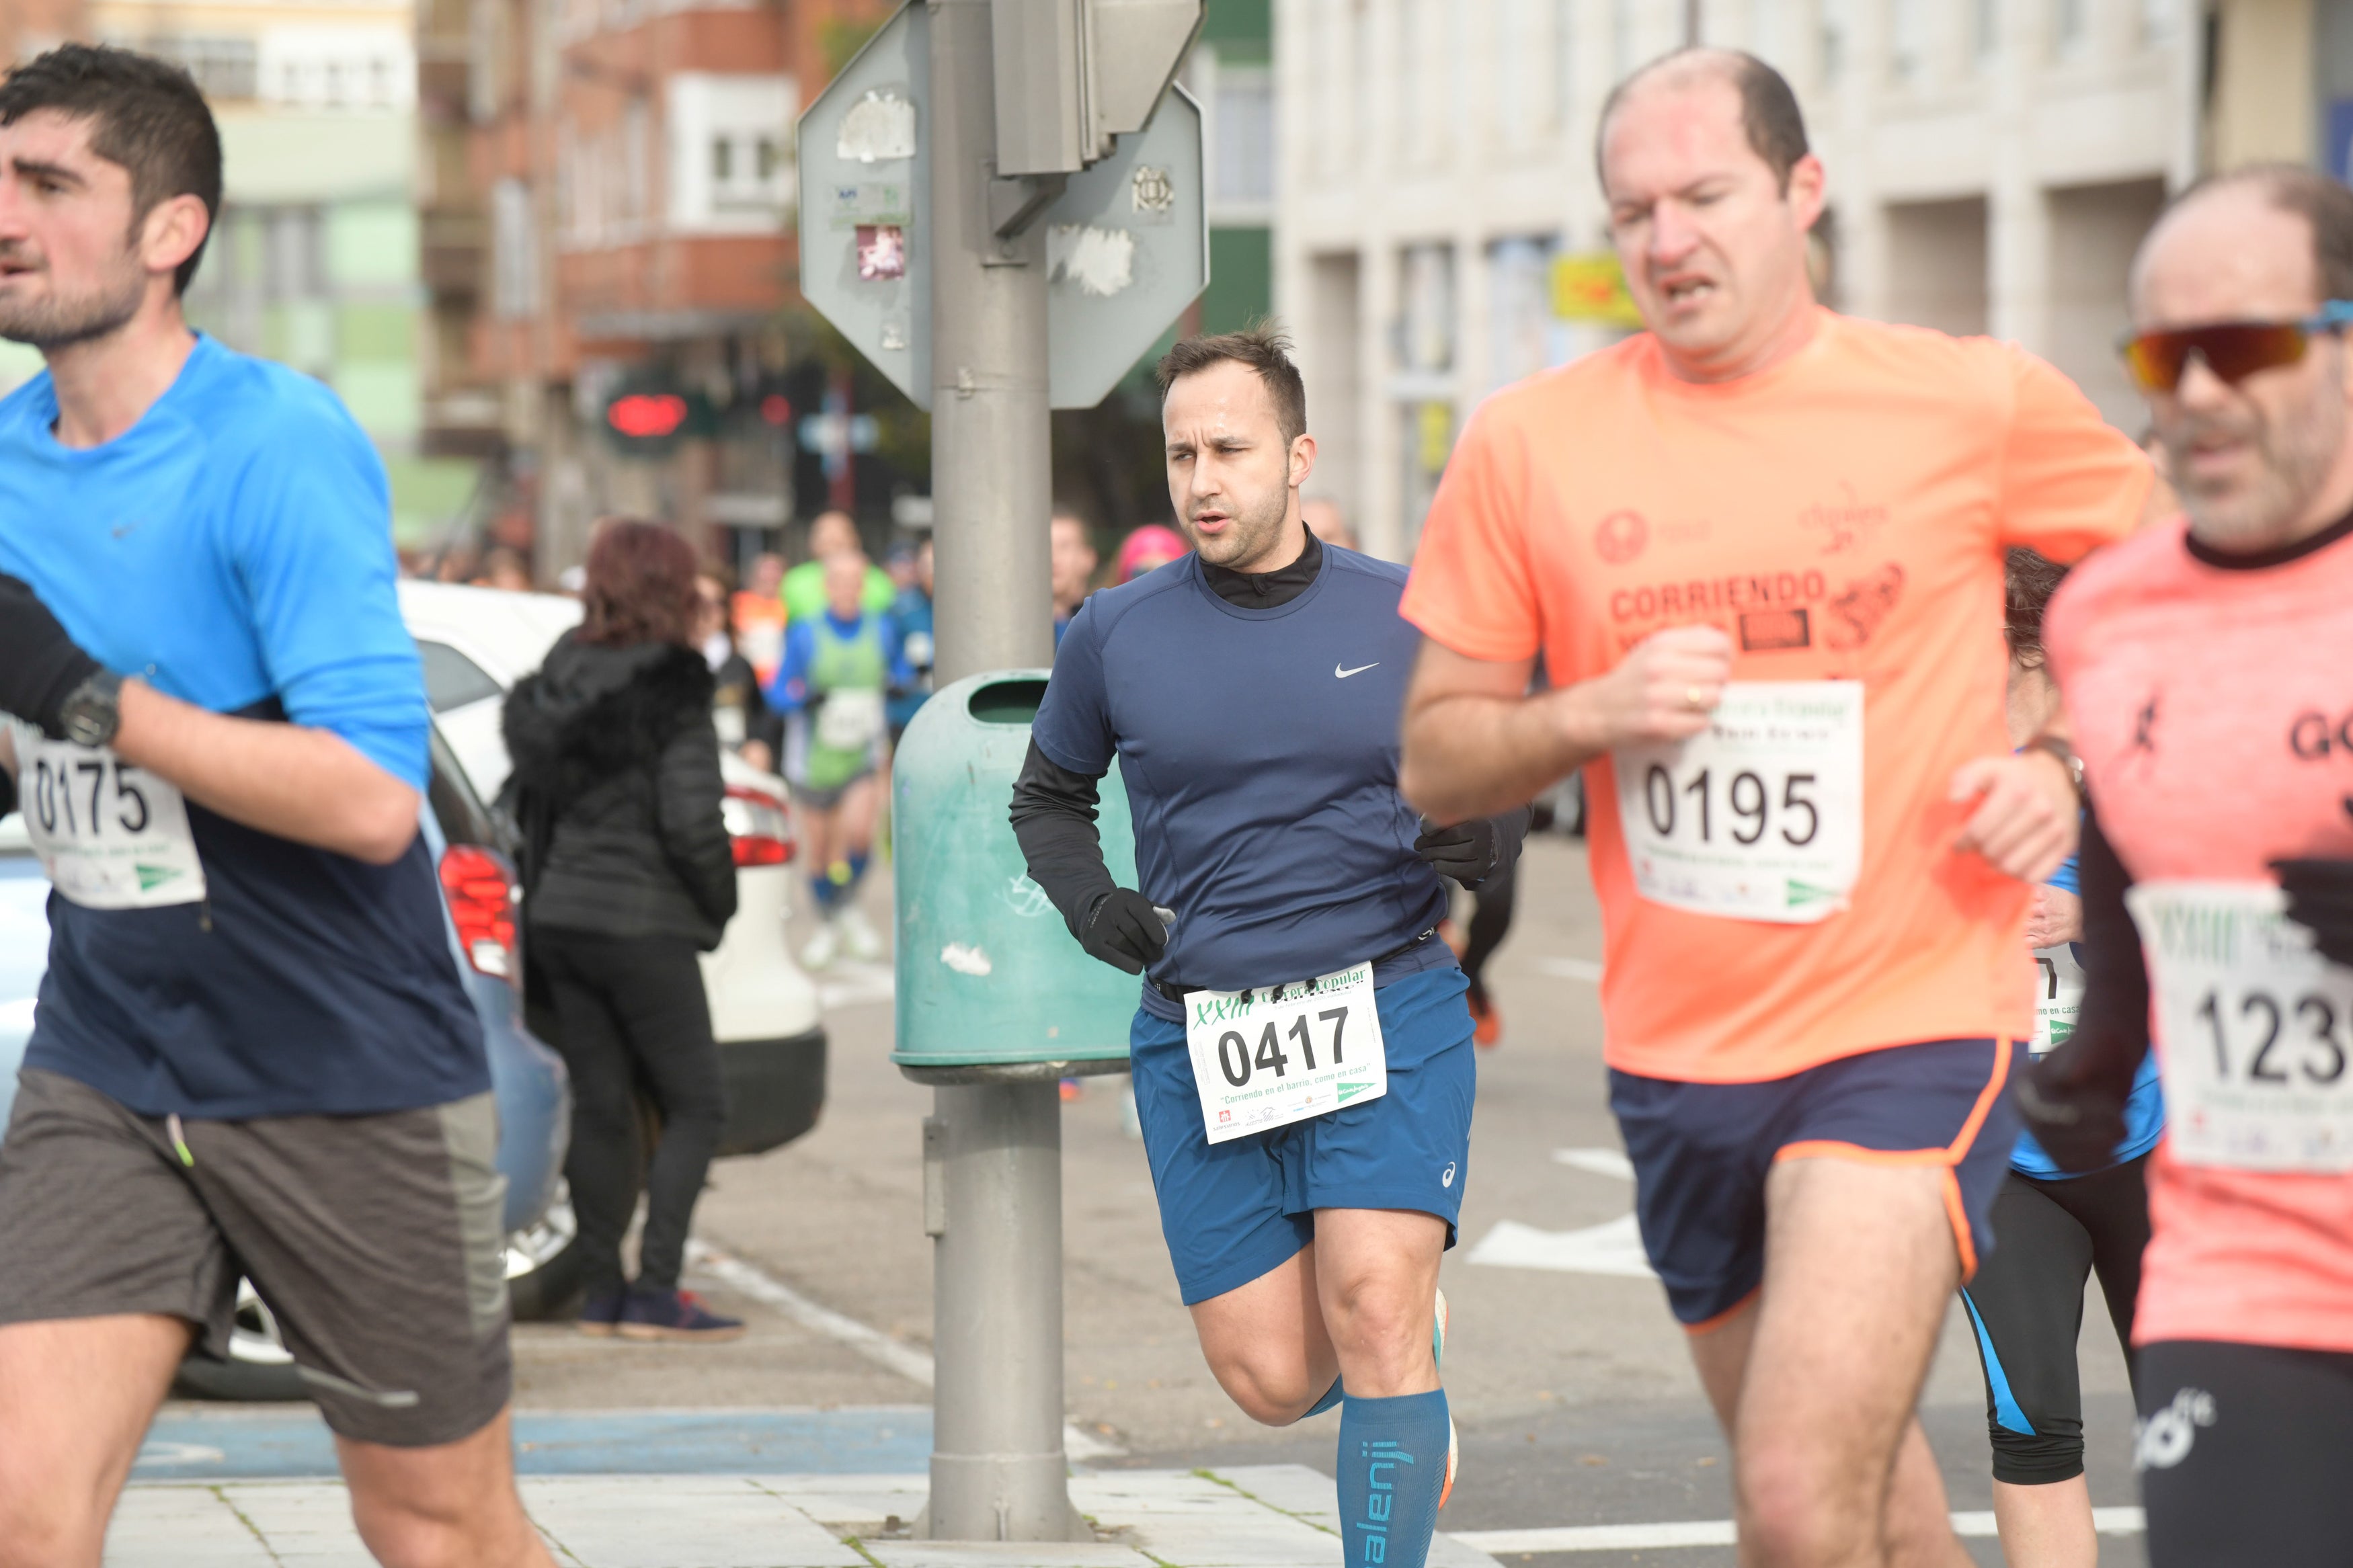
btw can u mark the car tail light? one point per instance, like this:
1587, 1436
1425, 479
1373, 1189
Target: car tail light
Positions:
758, 826
479, 887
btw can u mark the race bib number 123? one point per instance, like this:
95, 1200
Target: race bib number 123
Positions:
1756, 817
2255, 1028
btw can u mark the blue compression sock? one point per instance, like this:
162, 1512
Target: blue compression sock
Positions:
821, 890
1332, 1397
1392, 1470
856, 869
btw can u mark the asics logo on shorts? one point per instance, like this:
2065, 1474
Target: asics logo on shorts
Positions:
2163, 1440
1446, 1177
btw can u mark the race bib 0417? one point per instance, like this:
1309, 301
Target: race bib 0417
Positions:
1759, 816
2255, 1029
111, 836
1265, 1058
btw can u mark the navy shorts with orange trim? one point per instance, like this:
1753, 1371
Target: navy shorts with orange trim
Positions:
1701, 1153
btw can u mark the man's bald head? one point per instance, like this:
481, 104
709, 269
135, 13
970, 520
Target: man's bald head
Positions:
1770, 117
2288, 189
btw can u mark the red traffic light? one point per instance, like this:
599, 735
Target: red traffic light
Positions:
646, 415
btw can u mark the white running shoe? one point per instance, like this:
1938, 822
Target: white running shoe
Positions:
856, 935
1437, 1354
1453, 1454
822, 947
1437, 1333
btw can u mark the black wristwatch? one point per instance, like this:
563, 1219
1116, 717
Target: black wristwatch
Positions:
93, 711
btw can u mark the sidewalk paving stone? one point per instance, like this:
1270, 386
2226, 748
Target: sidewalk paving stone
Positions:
1275, 1516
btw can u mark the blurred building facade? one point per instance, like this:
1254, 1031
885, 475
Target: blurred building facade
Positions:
1992, 165
609, 219
314, 261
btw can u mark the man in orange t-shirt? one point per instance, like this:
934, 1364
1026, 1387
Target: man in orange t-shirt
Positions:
2208, 672
1760, 550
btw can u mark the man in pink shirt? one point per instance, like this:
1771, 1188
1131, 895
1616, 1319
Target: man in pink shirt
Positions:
2207, 670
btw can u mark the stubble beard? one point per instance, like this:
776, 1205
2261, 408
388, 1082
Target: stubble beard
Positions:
2297, 456
1254, 533
54, 322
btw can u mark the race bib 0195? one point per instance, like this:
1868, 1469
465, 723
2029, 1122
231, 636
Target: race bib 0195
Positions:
849, 720
1759, 816
1265, 1058
2255, 1028
111, 836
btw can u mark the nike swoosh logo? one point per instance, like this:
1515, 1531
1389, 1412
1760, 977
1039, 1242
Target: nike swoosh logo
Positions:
1344, 674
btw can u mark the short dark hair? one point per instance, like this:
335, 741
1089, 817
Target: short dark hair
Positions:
146, 116
1770, 115
1262, 346
2028, 580
2320, 201
640, 586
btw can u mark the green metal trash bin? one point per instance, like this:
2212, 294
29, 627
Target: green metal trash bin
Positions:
990, 985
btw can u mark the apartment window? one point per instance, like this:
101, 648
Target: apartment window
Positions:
222, 68
1907, 38
1244, 123
515, 251
294, 257
2068, 26
730, 163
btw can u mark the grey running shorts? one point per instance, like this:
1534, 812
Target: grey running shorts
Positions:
375, 1242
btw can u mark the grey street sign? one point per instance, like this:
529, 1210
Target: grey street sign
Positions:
866, 203
1127, 248
1127, 241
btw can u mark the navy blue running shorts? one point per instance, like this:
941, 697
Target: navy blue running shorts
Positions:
1232, 1211
1701, 1153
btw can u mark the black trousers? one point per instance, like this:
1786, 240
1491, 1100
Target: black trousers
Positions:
631, 1011
2026, 1307
2243, 1454
1490, 921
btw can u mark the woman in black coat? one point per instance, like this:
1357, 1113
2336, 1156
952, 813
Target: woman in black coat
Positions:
628, 874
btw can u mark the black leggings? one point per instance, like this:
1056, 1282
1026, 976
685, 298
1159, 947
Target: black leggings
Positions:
1490, 921
2243, 1454
2026, 1307
632, 1010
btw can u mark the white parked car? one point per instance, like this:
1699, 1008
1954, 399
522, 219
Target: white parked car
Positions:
476, 644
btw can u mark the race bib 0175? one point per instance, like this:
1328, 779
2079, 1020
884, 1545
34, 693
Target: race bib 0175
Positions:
111, 836
2255, 1029
1759, 816
1265, 1058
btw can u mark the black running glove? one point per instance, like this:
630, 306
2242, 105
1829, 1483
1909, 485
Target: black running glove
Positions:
39, 665
2074, 1098
1470, 852
1124, 931
2320, 898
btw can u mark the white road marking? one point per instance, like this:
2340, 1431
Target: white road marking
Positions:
1716, 1532
906, 1360
1571, 968
1614, 1248
1599, 1162
850, 983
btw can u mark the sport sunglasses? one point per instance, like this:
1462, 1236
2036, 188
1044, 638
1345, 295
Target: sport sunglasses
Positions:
2231, 350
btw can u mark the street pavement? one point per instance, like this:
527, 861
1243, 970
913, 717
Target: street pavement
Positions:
1585, 1439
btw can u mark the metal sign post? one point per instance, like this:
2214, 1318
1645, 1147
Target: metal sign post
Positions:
988, 297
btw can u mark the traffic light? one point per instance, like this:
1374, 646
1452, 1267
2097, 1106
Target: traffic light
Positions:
1072, 74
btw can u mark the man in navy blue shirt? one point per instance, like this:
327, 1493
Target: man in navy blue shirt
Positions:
1302, 1059
252, 1054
